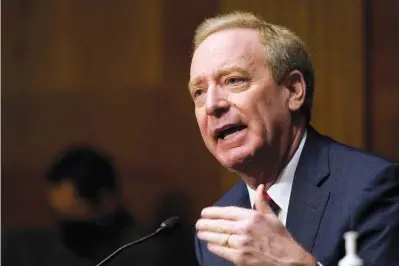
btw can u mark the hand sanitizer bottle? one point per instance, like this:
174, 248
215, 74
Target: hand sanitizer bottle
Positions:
351, 258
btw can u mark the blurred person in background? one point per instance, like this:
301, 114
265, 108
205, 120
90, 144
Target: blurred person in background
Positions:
90, 218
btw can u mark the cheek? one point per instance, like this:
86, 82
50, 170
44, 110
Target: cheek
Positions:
202, 124
261, 123
273, 117
257, 115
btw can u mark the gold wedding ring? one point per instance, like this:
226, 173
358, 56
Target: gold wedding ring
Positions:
226, 241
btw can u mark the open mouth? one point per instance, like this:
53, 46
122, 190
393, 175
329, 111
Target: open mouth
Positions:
230, 131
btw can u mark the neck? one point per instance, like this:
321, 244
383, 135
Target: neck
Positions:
267, 169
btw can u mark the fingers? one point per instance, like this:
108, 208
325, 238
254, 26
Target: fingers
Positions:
226, 240
226, 213
218, 231
261, 204
217, 225
214, 238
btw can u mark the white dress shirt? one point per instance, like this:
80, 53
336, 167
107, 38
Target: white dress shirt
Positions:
280, 191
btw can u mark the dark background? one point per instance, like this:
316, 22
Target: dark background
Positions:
114, 74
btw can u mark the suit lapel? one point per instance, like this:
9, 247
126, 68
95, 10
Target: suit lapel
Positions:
243, 201
308, 201
237, 196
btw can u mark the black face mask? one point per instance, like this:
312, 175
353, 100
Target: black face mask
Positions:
82, 237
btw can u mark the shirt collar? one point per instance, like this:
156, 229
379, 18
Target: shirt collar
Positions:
280, 191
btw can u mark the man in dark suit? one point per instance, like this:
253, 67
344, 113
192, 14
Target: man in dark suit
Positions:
252, 86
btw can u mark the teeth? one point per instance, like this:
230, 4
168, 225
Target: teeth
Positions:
231, 134
230, 131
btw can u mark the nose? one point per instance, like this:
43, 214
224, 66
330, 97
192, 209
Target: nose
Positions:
217, 102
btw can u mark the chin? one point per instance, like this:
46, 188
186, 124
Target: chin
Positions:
236, 159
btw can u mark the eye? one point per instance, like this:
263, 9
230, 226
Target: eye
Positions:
234, 80
197, 93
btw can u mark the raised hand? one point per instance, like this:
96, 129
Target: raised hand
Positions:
249, 237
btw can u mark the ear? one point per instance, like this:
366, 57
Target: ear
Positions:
296, 86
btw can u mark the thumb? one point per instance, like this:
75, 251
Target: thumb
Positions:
261, 204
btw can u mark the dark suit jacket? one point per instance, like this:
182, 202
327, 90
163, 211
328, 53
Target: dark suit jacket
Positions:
336, 189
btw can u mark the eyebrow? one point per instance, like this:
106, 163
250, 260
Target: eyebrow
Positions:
192, 83
222, 72
229, 70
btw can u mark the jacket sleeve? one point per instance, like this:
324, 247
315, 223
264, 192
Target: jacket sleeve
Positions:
376, 219
198, 251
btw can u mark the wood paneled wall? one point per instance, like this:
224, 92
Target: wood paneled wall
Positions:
114, 74
109, 73
383, 60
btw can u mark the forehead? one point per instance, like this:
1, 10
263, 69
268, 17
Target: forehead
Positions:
226, 49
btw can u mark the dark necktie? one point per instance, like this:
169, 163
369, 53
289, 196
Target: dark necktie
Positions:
275, 208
